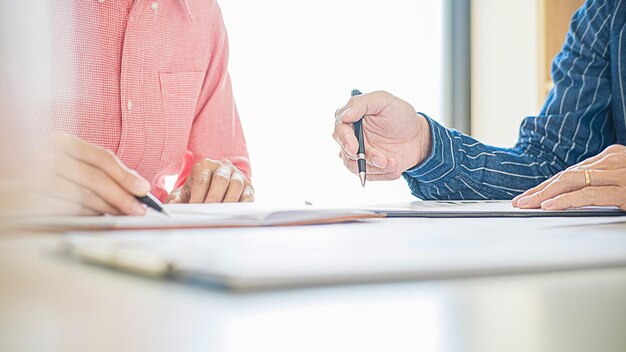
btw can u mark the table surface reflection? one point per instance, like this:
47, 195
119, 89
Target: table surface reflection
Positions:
49, 302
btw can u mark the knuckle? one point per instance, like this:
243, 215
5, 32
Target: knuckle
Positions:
589, 192
237, 179
611, 158
566, 175
198, 168
95, 176
222, 174
206, 162
200, 174
614, 148
382, 94
539, 195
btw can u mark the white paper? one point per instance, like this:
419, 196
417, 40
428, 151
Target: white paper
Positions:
205, 215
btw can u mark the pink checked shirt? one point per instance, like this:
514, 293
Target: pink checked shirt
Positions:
151, 84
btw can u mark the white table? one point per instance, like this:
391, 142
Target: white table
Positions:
49, 302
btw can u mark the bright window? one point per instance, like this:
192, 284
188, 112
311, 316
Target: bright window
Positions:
294, 62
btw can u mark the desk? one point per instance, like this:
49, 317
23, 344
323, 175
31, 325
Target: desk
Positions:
49, 302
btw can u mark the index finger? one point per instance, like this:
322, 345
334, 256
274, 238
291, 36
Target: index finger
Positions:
535, 189
363, 105
105, 161
344, 135
567, 181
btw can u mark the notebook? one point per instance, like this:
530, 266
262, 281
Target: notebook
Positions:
371, 251
206, 216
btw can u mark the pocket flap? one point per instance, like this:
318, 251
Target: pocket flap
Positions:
184, 85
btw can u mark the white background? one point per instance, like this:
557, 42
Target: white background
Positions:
293, 63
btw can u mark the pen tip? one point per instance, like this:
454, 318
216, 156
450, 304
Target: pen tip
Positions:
363, 177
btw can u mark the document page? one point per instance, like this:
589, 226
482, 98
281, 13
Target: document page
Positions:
206, 216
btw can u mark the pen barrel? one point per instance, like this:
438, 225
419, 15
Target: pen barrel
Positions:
361, 164
358, 132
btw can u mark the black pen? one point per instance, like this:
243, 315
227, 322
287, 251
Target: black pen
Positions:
152, 202
358, 132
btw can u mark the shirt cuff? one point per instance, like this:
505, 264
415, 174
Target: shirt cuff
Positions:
441, 163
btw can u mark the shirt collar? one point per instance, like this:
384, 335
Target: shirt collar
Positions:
187, 8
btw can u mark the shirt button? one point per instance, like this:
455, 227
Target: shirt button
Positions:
155, 5
129, 105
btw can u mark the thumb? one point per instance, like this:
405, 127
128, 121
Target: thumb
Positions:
366, 104
178, 196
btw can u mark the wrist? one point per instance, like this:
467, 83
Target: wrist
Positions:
423, 142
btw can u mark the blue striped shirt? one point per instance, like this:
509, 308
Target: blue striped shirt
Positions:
584, 113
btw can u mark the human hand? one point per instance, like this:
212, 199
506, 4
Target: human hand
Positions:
78, 178
396, 137
606, 173
213, 181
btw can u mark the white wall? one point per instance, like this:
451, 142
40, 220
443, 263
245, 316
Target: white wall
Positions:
293, 63
504, 68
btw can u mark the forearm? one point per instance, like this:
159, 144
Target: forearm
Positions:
459, 167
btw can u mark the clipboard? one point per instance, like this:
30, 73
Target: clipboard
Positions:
484, 209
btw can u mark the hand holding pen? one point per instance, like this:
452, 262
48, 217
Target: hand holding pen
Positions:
395, 137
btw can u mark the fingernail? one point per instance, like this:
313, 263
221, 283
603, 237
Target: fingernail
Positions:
523, 202
139, 208
548, 204
377, 162
141, 186
223, 172
347, 112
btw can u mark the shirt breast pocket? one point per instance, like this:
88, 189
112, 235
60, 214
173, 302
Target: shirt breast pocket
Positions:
180, 92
